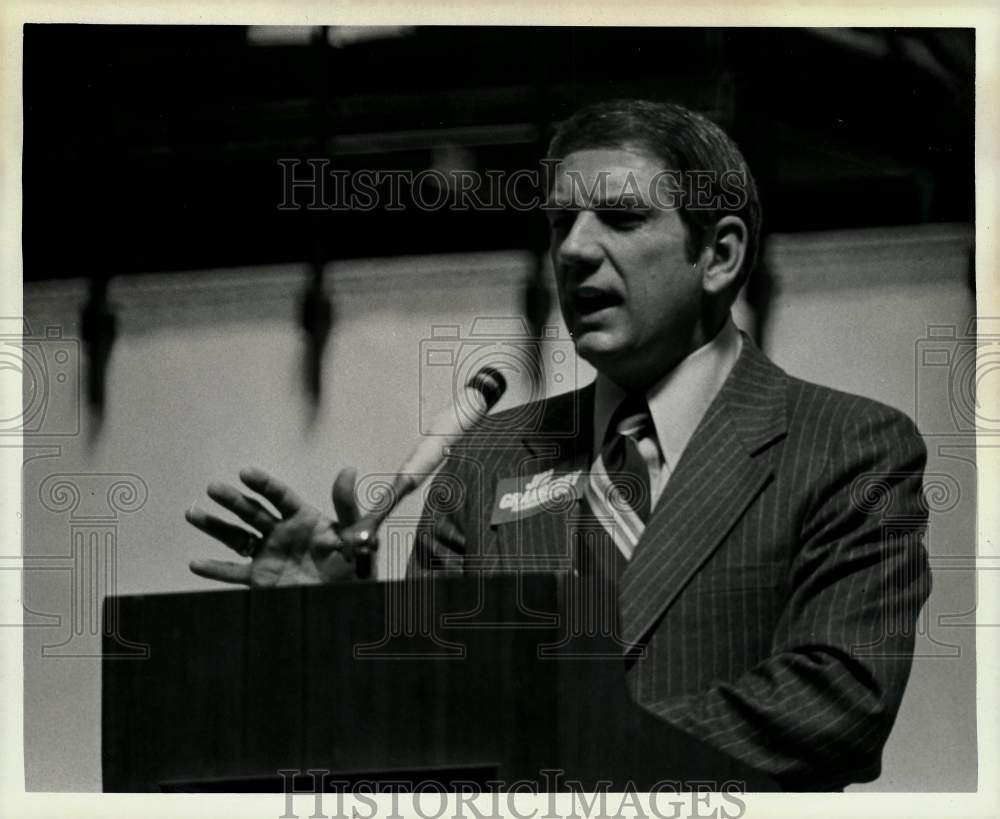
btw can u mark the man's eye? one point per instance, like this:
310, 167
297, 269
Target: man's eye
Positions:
622, 219
561, 220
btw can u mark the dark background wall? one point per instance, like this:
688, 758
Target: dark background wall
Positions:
151, 148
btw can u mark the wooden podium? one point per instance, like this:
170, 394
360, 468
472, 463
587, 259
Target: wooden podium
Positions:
462, 682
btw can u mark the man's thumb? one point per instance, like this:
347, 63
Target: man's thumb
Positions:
344, 501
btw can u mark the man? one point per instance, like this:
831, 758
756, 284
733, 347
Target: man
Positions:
760, 534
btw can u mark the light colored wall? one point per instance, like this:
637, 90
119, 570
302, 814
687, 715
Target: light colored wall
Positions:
205, 378
854, 312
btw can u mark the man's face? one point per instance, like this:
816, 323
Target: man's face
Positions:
628, 293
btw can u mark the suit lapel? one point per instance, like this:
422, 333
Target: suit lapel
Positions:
719, 474
541, 540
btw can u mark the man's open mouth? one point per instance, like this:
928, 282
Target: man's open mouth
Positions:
587, 300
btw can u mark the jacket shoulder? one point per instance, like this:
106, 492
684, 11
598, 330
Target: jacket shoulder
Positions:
815, 404
559, 416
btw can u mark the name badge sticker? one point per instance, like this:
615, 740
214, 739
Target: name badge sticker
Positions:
518, 498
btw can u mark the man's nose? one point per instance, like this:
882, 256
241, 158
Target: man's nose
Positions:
581, 244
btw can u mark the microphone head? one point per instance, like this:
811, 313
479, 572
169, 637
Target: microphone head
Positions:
490, 383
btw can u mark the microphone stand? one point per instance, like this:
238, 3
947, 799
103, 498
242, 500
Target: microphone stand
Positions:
360, 539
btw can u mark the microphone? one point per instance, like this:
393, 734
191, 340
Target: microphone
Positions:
478, 397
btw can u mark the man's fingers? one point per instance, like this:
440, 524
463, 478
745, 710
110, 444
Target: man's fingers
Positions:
235, 537
281, 495
221, 570
343, 496
249, 510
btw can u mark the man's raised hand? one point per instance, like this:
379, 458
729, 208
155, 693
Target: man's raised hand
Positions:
296, 546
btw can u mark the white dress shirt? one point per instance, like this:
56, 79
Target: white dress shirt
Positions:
677, 403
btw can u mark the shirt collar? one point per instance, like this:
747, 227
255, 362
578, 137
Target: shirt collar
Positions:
678, 401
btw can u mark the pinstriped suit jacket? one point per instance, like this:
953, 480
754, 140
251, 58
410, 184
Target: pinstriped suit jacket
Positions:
770, 606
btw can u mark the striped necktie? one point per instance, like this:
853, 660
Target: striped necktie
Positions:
619, 491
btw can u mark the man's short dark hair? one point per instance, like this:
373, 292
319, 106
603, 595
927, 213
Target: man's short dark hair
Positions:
685, 142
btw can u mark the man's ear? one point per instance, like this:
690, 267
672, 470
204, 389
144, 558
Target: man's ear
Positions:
722, 258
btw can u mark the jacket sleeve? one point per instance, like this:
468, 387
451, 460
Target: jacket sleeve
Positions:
816, 713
